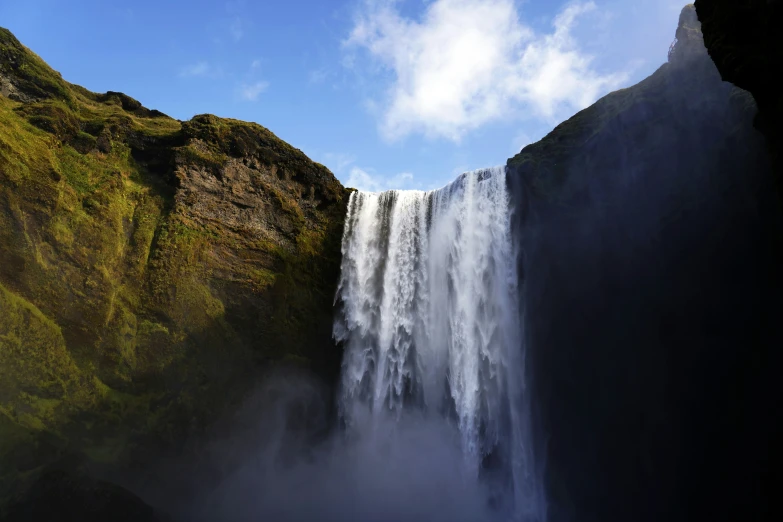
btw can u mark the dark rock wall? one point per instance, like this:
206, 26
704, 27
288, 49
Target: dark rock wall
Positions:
647, 226
743, 39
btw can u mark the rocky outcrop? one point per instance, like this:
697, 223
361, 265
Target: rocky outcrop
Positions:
148, 269
24, 76
647, 225
743, 41
688, 44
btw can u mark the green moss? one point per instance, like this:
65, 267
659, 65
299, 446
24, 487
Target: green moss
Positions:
87, 207
156, 348
52, 116
41, 386
83, 142
23, 149
178, 284
36, 78
261, 279
33, 357
289, 206
203, 156
130, 314
147, 216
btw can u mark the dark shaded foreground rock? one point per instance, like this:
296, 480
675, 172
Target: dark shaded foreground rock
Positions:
743, 39
649, 231
63, 495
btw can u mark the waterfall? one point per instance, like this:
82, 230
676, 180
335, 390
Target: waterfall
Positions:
429, 315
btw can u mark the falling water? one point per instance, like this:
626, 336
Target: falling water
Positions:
431, 323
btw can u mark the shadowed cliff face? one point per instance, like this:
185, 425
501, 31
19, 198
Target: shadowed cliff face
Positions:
647, 228
743, 41
148, 269
743, 38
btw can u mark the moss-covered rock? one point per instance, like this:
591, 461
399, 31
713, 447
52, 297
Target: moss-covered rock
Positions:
148, 267
24, 76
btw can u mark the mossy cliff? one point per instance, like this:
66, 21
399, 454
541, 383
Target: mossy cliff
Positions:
647, 225
148, 268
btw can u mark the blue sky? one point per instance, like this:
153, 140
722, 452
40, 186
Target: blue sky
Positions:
386, 93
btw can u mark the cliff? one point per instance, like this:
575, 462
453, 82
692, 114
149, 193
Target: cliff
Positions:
149, 268
648, 230
743, 41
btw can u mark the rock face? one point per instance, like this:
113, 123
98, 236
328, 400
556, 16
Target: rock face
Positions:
61, 495
744, 41
648, 225
148, 268
742, 38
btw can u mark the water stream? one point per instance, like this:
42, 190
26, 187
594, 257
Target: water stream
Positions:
429, 314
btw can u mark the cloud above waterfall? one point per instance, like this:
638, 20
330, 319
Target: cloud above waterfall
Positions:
369, 181
465, 63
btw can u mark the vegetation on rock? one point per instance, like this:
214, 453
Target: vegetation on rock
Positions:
148, 267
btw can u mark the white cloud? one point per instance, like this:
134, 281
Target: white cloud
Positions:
468, 62
338, 161
318, 75
370, 182
236, 29
250, 92
255, 65
198, 69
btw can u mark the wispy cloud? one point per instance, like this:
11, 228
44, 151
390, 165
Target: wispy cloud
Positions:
200, 69
338, 161
256, 64
469, 62
251, 92
237, 29
371, 182
318, 75
238, 19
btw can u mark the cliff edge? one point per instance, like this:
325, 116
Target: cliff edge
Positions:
149, 269
648, 228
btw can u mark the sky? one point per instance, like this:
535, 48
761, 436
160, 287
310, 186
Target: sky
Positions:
386, 93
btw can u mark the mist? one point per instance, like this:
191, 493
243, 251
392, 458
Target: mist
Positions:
282, 457
432, 419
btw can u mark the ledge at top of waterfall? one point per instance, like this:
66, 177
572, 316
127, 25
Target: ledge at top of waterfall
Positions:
429, 314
